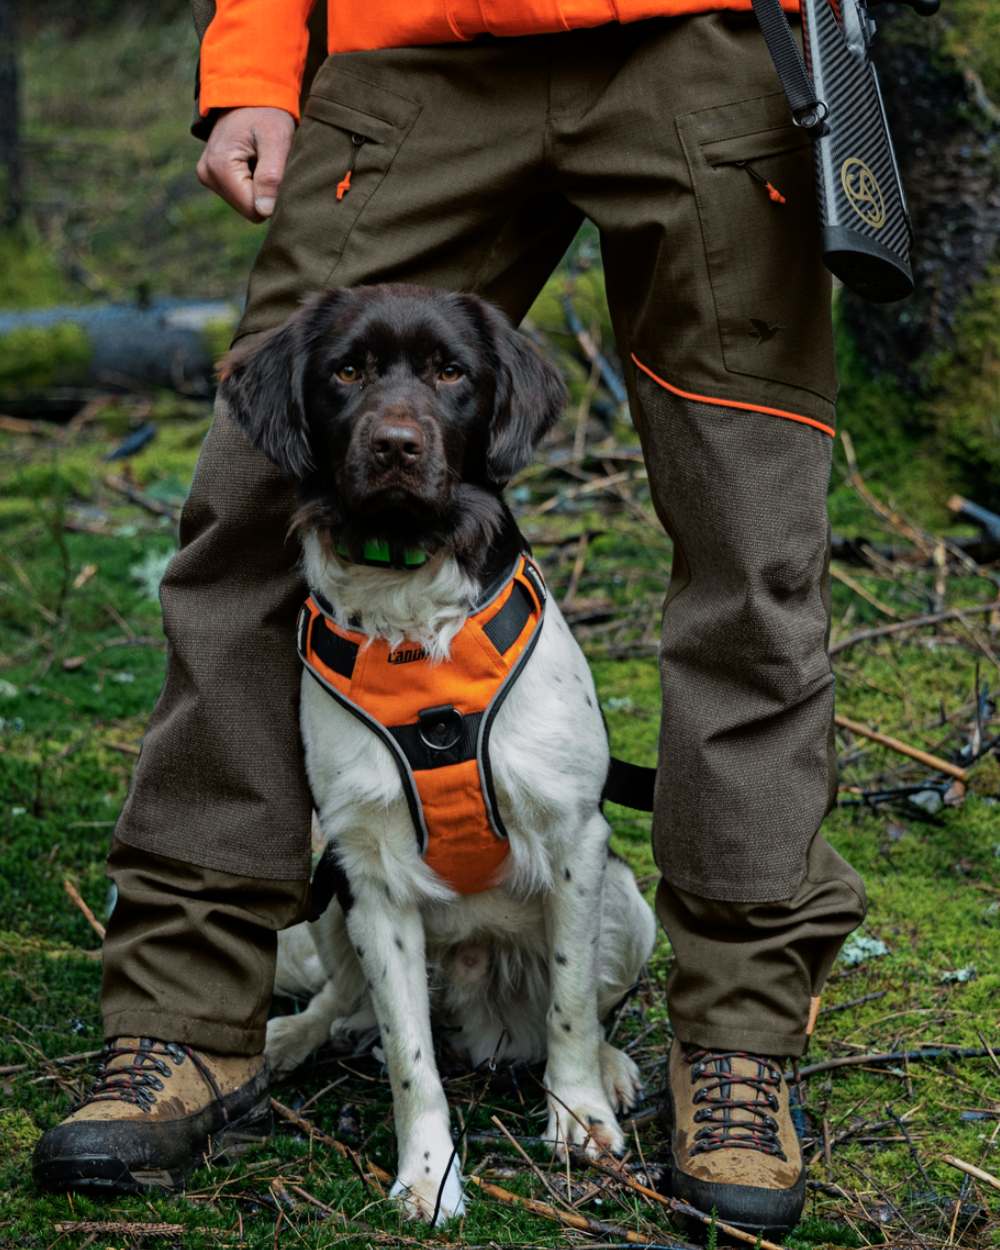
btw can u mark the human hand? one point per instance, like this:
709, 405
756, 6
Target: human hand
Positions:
244, 158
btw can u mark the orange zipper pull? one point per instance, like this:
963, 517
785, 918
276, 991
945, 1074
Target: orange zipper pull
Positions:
344, 185
773, 194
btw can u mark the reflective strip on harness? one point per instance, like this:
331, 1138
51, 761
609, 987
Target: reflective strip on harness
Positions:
435, 717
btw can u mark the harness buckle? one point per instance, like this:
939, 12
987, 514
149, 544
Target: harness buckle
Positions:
440, 728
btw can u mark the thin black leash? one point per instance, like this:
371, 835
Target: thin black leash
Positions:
491, 1067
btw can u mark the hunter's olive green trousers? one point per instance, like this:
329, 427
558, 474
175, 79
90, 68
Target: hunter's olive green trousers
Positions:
479, 162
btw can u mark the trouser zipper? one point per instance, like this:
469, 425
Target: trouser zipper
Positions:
344, 185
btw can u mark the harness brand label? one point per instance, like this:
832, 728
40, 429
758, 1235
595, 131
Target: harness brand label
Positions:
407, 655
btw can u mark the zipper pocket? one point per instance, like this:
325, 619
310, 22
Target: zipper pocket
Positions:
344, 185
772, 191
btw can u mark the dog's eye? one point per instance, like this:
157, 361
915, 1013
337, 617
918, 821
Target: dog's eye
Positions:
349, 374
450, 373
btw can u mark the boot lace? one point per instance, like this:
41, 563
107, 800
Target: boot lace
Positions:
139, 1081
756, 1129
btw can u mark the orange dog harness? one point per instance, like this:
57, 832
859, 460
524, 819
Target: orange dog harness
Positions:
435, 717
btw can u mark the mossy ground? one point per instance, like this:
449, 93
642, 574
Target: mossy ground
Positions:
115, 211
71, 698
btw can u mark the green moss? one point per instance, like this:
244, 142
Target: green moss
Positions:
18, 1134
971, 36
29, 272
36, 357
965, 380
43, 479
890, 436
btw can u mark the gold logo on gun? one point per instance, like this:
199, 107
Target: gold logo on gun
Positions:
863, 192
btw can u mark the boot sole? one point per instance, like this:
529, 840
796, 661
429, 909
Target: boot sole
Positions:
699, 1231
107, 1174
793, 1198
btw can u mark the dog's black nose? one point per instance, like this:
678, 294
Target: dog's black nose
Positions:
397, 443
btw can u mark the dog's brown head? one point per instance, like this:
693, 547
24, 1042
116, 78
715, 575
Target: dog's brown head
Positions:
402, 411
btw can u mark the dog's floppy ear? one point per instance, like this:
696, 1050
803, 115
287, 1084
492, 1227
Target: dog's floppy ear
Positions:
263, 386
529, 396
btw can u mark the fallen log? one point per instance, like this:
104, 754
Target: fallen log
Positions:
52, 360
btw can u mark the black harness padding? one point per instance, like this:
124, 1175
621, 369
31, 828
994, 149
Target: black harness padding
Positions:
338, 653
630, 785
505, 628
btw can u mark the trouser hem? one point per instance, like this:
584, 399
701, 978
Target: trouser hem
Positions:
757, 1041
211, 1035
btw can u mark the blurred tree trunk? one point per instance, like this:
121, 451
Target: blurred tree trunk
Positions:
945, 130
11, 202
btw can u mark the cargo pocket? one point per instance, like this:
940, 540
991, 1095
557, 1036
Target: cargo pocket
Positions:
355, 130
752, 174
350, 134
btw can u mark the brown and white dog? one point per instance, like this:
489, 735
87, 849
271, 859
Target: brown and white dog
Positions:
402, 412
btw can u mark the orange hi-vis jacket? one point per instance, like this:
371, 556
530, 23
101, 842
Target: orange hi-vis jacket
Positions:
435, 716
254, 51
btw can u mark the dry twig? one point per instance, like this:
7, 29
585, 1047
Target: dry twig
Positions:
970, 1169
903, 748
77, 900
915, 622
124, 1228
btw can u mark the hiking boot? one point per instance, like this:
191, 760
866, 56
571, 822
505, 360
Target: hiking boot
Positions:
734, 1146
156, 1110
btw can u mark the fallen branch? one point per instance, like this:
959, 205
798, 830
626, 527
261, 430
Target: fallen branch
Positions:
127, 1228
898, 627
76, 898
854, 1002
22, 425
923, 542
11, 1068
141, 500
495, 1119
891, 1056
567, 1218
126, 748
854, 585
970, 1169
903, 748
360, 1165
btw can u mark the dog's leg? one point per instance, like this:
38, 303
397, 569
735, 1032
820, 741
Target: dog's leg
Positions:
292, 1039
579, 1111
389, 941
628, 934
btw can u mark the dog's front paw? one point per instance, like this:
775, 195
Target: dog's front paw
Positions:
620, 1077
581, 1117
291, 1040
430, 1184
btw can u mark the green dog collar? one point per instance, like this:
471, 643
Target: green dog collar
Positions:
379, 553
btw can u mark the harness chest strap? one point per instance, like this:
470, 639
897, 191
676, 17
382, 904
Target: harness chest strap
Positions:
435, 717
